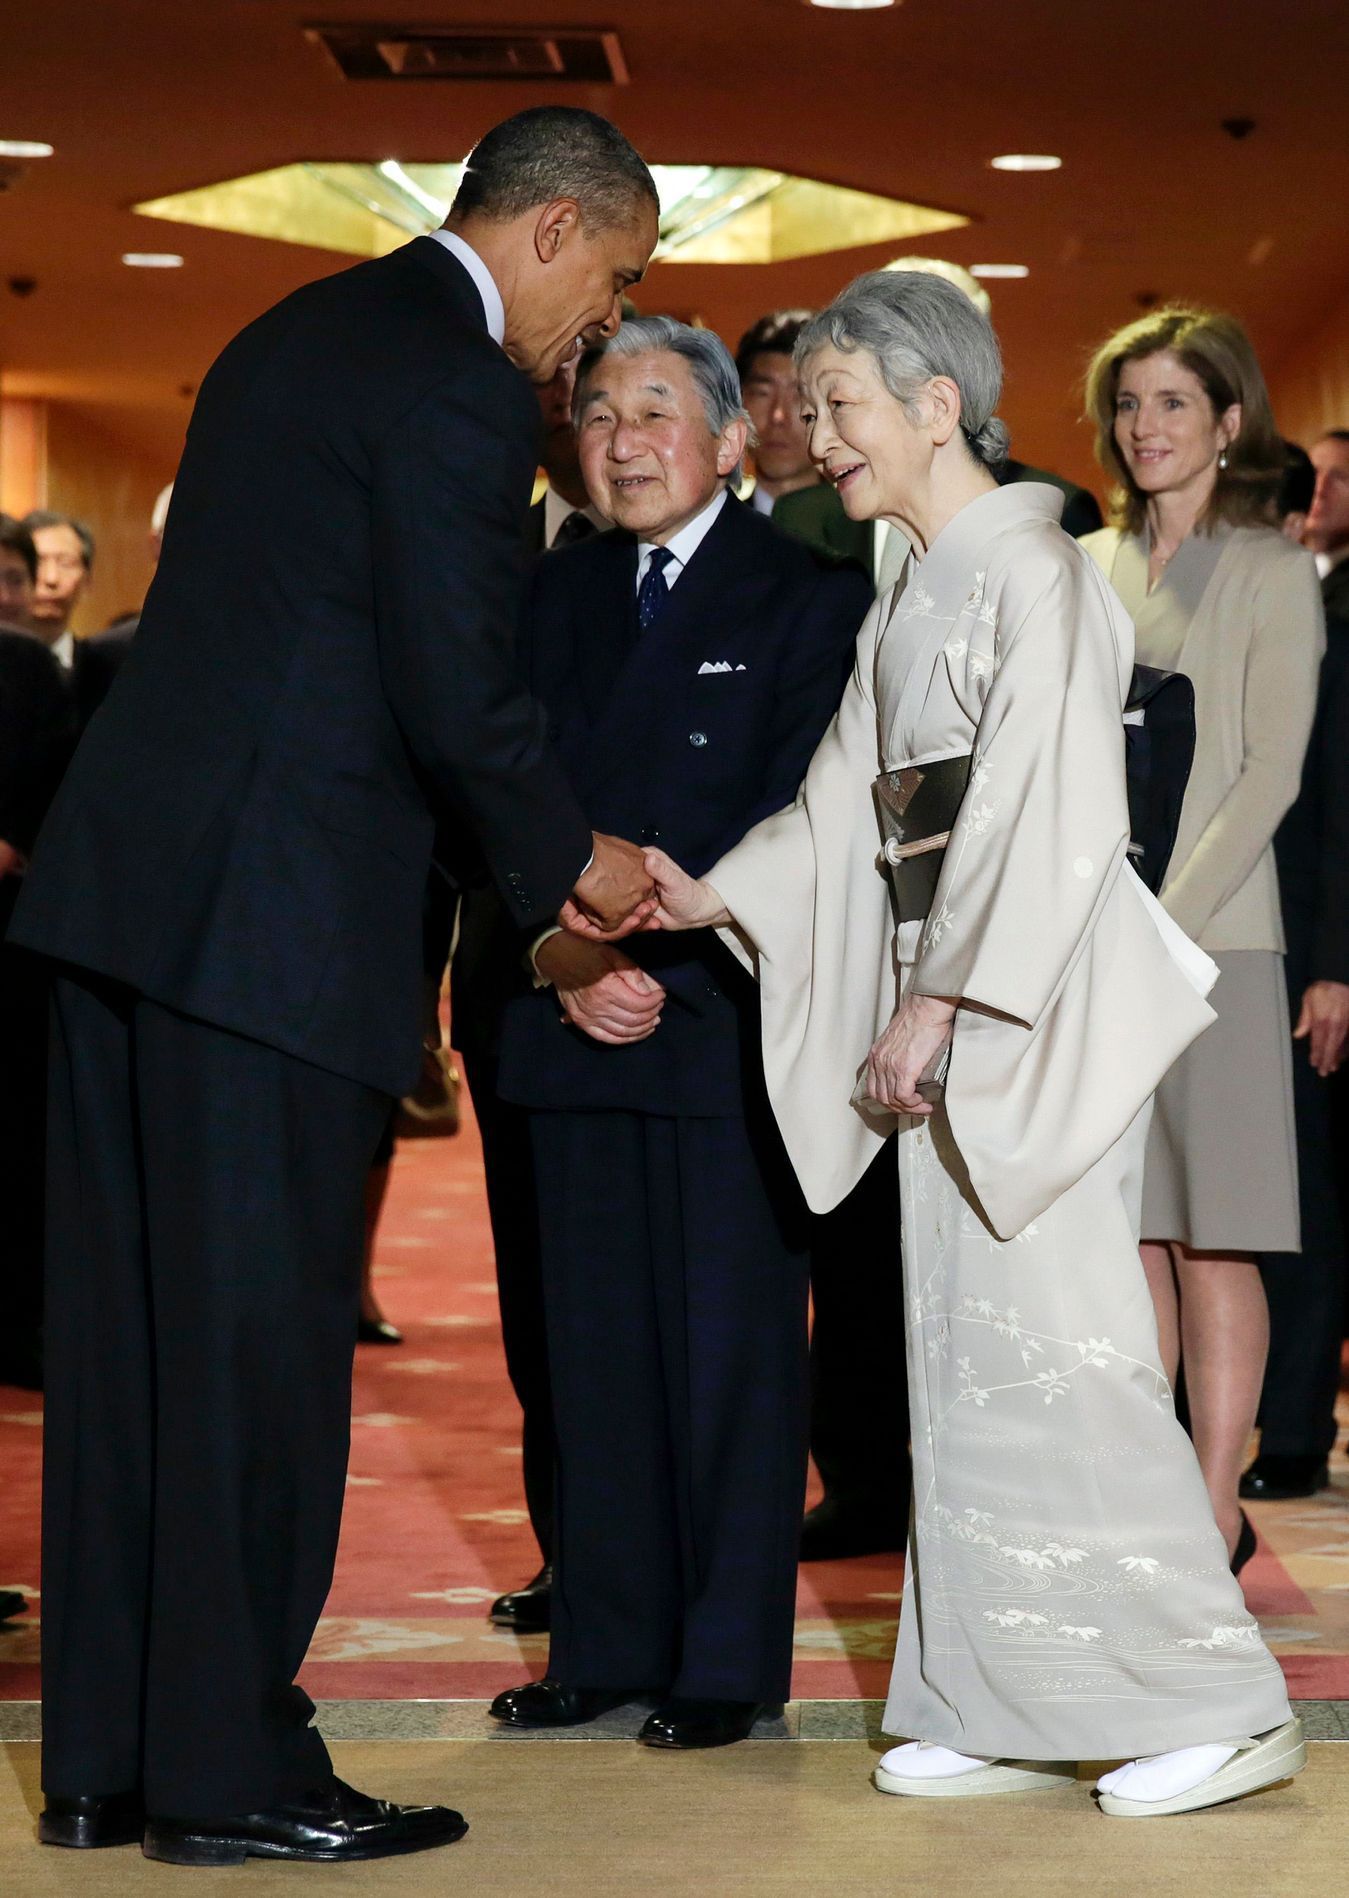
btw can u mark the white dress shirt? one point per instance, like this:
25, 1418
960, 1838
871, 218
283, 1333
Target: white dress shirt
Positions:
483, 282
1327, 563
760, 499
64, 649
683, 545
557, 510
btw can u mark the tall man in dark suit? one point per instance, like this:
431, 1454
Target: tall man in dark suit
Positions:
1306, 1290
232, 878
690, 662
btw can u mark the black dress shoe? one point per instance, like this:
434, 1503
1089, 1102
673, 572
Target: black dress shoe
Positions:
1246, 1545
11, 1603
529, 1610
834, 1530
92, 1819
377, 1331
1280, 1479
329, 1826
697, 1723
548, 1703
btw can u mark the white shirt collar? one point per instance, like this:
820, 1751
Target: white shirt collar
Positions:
684, 545
64, 649
483, 282
556, 510
759, 499
1327, 563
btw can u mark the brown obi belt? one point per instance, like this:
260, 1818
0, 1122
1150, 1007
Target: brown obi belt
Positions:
918, 807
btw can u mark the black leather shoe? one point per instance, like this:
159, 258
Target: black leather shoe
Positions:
833, 1530
11, 1603
92, 1820
377, 1331
547, 1703
529, 1610
330, 1826
697, 1723
1280, 1479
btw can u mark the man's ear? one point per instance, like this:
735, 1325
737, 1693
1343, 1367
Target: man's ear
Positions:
731, 445
552, 226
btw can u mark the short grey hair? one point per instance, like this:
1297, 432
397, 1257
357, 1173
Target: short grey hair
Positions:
917, 326
710, 363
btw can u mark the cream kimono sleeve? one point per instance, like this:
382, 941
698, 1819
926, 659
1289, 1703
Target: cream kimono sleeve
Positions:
1074, 1000
813, 923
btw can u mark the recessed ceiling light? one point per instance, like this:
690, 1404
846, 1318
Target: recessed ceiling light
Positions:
1026, 161
152, 259
850, 6
25, 148
1000, 270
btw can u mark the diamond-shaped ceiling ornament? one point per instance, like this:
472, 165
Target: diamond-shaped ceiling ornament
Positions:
710, 214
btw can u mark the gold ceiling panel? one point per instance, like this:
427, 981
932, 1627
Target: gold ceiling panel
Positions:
710, 214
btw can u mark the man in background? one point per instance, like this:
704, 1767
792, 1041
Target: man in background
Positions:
772, 399
65, 565
1327, 529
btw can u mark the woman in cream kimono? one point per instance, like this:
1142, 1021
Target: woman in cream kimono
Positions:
1067, 1593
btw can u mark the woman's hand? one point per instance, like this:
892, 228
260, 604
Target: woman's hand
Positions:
911, 1044
683, 902
1324, 1021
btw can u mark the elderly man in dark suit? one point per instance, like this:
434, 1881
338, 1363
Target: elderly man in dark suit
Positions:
232, 876
690, 661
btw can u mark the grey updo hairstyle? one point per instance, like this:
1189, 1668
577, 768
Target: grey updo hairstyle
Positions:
916, 327
710, 363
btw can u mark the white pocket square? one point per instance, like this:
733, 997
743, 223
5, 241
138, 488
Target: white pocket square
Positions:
721, 665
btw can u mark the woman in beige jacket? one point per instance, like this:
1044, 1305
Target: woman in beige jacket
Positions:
1184, 425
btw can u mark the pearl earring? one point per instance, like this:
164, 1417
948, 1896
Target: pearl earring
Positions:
1222, 459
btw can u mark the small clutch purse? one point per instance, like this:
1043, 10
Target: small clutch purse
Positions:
917, 807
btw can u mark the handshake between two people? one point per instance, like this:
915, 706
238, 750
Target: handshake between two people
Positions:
610, 998
601, 990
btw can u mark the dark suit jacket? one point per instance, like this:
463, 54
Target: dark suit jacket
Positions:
324, 664
662, 752
1311, 846
1335, 591
97, 662
37, 731
817, 516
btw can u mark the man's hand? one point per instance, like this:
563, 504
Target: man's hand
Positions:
1324, 1020
13, 863
600, 989
913, 1042
613, 896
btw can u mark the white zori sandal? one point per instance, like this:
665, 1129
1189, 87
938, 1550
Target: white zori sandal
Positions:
925, 1771
1187, 1781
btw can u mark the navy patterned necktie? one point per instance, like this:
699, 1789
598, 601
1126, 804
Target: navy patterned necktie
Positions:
654, 590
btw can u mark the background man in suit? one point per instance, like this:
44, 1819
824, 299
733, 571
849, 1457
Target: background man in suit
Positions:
233, 876
36, 733
772, 399
1327, 529
65, 550
690, 661
1306, 1289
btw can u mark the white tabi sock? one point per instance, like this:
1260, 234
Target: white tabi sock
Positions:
1166, 1774
919, 1759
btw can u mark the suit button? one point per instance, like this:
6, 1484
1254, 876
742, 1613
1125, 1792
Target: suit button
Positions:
697, 740
650, 834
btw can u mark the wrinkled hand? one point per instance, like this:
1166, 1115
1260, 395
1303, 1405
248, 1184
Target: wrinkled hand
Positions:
13, 863
682, 901
613, 895
912, 1042
1324, 1022
601, 990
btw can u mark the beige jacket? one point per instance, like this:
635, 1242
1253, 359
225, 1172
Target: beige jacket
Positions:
1253, 651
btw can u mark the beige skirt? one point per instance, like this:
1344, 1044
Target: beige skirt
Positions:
1221, 1168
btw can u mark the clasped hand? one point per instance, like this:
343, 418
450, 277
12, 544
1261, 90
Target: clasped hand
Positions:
602, 991
907, 1048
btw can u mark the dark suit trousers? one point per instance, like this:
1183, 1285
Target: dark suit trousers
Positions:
204, 1246
1306, 1290
675, 1281
858, 1393
23, 1094
508, 1165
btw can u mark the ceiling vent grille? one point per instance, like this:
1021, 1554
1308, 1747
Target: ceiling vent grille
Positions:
381, 50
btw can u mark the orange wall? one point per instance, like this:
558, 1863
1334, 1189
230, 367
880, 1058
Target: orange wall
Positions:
1310, 388
110, 485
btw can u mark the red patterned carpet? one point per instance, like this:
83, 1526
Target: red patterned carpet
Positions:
435, 1523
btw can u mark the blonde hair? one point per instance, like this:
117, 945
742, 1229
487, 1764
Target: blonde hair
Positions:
1216, 349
